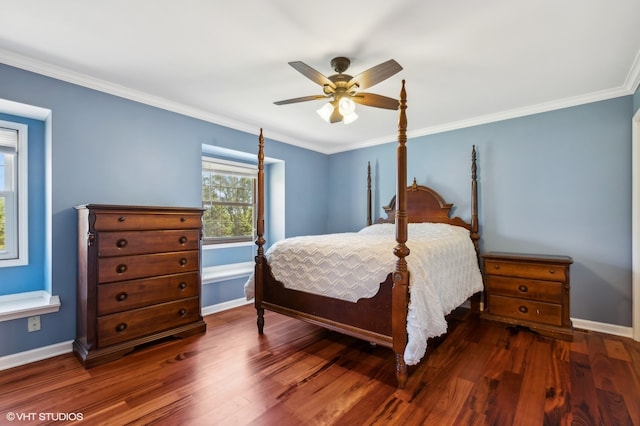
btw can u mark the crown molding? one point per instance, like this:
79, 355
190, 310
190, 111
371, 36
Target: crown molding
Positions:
632, 82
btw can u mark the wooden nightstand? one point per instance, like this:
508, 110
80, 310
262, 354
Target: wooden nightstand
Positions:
530, 291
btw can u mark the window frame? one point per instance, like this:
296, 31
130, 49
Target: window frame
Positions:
19, 227
237, 168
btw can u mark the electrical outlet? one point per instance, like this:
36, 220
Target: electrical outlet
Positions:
33, 323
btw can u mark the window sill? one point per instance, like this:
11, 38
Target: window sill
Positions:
214, 274
228, 245
22, 305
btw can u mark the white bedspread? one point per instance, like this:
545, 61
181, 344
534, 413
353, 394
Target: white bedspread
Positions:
442, 264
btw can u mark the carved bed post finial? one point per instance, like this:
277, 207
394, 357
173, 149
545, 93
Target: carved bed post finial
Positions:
369, 207
400, 291
260, 241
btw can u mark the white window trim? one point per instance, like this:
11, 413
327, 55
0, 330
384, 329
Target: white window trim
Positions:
23, 196
12, 306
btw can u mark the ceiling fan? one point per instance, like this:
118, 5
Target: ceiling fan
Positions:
341, 90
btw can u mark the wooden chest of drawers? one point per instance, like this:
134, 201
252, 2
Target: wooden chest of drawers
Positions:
529, 290
138, 278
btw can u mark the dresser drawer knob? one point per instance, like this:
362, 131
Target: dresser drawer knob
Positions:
496, 266
122, 219
121, 327
121, 243
523, 288
121, 268
523, 309
122, 296
183, 219
182, 312
182, 285
183, 261
182, 239
552, 271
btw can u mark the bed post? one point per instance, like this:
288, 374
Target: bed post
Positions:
475, 236
477, 304
260, 260
369, 208
400, 291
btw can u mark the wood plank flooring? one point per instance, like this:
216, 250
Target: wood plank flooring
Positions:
299, 374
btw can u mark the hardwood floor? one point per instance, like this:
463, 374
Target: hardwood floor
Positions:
299, 374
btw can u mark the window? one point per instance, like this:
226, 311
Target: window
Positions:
13, 194
228, 197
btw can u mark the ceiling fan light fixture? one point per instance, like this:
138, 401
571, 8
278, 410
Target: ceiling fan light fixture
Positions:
325, 111
346, 106
350, 118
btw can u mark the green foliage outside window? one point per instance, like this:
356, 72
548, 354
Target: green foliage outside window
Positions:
228, 200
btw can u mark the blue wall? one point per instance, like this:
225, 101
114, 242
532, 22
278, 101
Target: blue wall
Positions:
106, 149
556, 183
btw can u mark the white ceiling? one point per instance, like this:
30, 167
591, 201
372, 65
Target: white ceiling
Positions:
465, 62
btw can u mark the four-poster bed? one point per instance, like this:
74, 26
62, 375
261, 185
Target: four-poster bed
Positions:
385, 316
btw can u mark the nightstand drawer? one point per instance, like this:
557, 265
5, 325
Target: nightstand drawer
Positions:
528, 310
539, 271
544, 291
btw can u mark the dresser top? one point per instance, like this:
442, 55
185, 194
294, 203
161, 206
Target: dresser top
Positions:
141, 208
543, 258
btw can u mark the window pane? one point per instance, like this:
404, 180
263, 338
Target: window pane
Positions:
8, 193
228, 197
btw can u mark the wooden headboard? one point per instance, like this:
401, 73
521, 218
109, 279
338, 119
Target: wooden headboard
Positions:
425, 205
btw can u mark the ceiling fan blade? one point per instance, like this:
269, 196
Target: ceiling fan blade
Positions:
375, 74
302, 99
373, 100
312, 74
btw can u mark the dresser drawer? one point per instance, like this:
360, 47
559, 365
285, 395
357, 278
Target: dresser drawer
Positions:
140, 242
523, 309
539, 271
129, 325
544, 291
127, 221
126, 295
123, 268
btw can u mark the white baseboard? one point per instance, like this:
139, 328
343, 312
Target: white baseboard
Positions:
616, 330
33, 355
208, 310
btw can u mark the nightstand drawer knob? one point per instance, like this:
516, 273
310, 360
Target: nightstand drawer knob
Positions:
552, 271
121, 268
182, 240
182, 312
496, 266
523, 309
122, 296
121, 243
183, 261
523, 288
121, 327
182, 285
